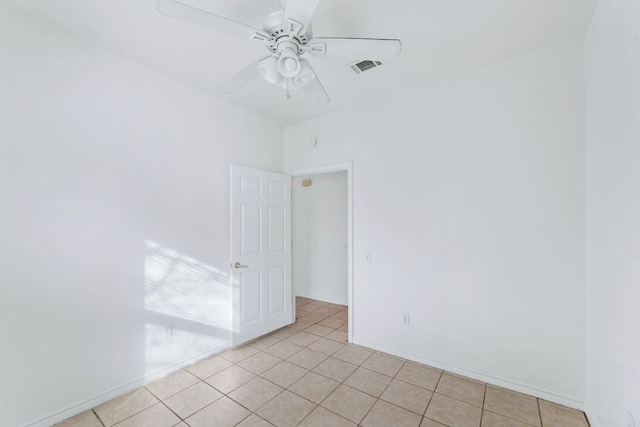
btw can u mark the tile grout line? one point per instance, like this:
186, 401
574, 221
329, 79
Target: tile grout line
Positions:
266, 379
287, 388
484, 397
169, 397
539, 411
139, 412
319, 405
346, 385
378, 398
434, 393
509, 418
98, 417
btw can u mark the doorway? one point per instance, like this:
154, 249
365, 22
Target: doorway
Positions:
322, 236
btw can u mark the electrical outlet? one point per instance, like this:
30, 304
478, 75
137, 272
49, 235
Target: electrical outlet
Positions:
631, 422
406, 319
167, 331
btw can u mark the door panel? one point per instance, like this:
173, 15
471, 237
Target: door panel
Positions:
277, 288
249, 185
277, 217
250, 229
276, 188
250, 308
260, 252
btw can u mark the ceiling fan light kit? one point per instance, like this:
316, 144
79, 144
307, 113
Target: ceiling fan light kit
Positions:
287, 36
306, 74
268, 70
288, 62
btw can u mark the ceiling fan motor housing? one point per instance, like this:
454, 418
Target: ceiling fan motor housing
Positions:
280, 31
287, 41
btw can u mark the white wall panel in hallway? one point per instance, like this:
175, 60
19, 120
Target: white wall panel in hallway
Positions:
320, 237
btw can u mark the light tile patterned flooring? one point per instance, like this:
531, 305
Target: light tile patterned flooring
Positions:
308, 375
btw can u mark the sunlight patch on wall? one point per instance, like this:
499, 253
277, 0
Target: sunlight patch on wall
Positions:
187, 308
181, 286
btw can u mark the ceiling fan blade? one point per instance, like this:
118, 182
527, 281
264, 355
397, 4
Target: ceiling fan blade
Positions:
385, 50
178, 10
242, 78
316, 93
300, 11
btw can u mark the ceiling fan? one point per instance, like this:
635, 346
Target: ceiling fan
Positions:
287, 36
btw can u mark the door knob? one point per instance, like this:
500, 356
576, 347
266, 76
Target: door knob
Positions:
238, 265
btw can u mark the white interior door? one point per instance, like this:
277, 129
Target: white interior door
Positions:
260, 252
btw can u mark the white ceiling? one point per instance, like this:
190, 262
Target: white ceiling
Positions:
440, 38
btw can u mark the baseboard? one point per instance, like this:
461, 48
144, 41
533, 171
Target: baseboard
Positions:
522, 388
101, 398
320, 298
591, 418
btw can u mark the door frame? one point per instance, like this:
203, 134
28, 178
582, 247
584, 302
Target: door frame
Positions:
346, 166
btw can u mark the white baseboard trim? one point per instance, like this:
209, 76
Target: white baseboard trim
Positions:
591, 419
101, 398
320, 298
522, 388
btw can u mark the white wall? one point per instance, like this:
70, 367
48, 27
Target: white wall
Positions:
470, 195
320, 237
114, 193
613, 213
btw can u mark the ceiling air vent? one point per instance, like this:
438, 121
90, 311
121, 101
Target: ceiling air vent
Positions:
362, 66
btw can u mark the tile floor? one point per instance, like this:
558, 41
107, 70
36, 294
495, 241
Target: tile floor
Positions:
308, 375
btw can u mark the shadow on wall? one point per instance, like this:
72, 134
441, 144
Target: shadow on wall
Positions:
188, 305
